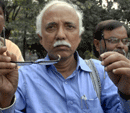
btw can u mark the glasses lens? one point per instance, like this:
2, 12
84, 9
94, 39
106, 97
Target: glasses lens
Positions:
114, 40
125, 41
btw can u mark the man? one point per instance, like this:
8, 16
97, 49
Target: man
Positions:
11, 47
110, 35
63, 87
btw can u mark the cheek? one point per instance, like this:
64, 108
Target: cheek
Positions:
111, 47
47, 42
75, 42
126, 49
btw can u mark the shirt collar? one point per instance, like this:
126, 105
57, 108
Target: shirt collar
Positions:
81, 64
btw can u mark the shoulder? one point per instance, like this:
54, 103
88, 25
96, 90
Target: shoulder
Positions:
97, 63
12, 47
100, 69
10, 43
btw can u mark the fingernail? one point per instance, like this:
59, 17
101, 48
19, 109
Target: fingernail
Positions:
102, 55
113, 70
102, 62
13, 64
8, 58
105, 68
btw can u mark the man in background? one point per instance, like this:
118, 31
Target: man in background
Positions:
110, 35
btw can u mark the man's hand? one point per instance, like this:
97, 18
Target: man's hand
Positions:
118, 68
8, 77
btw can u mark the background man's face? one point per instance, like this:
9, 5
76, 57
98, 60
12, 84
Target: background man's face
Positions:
60, 22
119, 33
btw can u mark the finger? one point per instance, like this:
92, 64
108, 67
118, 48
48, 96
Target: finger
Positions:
114, 58
3, 49
106, 54
116, 65
122, 71
7, 65
12, 56
4, 58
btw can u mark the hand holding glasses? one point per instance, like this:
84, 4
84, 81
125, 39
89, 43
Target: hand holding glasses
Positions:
22, 63
49, 62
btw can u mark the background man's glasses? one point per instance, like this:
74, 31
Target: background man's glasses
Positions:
114, 40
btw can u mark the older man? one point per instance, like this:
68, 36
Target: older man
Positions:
66, 86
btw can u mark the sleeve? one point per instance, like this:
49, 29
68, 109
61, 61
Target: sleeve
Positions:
125, 102
9, 109
110, 100
21, 94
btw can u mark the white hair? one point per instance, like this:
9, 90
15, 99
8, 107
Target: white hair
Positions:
39, 17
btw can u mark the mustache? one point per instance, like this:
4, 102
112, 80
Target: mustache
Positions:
59, 43
122, 51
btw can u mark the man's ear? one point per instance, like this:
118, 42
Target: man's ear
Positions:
96, 44
40, 37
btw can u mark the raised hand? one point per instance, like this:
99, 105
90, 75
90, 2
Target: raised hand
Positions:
118, 68
8, 77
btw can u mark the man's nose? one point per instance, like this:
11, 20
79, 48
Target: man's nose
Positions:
120, 45
60, 34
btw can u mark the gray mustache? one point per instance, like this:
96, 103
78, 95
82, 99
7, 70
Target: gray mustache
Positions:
58, 43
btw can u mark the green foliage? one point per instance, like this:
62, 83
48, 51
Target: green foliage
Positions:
89, 55
22, 16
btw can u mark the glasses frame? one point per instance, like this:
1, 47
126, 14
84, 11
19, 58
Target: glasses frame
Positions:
23, 63
118, 40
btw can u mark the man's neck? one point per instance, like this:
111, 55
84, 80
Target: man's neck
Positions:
66, 67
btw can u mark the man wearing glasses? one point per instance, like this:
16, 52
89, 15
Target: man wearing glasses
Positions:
110, 35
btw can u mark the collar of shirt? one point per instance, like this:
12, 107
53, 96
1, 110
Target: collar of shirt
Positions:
81, 64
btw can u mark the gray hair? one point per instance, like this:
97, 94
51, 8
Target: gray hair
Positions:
39, 17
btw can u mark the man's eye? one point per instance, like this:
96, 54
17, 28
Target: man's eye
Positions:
51, 28
70, 26
114, 40
125, 40
109, 40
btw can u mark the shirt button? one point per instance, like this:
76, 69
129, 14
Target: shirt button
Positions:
65, 82
71, 102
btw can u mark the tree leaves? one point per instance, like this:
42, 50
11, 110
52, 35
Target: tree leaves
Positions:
22, 16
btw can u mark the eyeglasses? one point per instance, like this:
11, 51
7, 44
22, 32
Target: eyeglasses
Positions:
47, 62
22, 63
114, 40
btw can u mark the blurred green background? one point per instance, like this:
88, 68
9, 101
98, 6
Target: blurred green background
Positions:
21, 17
